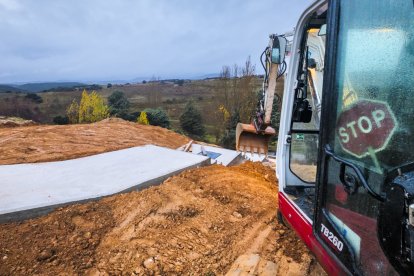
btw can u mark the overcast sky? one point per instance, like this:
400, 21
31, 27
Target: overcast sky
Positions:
88, 40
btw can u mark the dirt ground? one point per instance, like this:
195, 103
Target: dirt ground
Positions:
195, 223
43, 143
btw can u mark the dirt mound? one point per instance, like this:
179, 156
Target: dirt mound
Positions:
53, 142
6, 122
198, 222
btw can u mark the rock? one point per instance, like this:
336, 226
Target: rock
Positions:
87, 235
149, 263
237, 215
4, 257
45, 254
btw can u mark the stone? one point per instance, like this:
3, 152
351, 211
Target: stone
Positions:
149, 263
45, 254
237, 215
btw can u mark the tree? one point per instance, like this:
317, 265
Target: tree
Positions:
158, 117
118, 104
72, 112
109, 85
92, 108
229, 138
142, 119
191, 121
234, 97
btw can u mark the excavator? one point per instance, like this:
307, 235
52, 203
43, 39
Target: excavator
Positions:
345, 149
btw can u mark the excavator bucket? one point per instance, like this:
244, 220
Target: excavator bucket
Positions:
250, 140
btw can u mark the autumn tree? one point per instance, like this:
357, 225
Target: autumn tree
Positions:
72, 112
142, 119
92, 108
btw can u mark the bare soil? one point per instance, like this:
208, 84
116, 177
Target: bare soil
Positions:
195, 223
41, 143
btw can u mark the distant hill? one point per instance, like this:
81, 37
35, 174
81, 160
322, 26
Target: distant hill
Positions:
4, 88
47, 86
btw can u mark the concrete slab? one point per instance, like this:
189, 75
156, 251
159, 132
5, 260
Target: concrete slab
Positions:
42, 186
220, 156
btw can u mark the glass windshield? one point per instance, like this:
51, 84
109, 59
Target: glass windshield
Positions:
375, 82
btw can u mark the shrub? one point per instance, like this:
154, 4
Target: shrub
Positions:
61, 120
118, 103
72, 112
142, 119
130, 116
191, 121
158, 117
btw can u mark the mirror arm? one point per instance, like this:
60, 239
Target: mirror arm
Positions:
330, 153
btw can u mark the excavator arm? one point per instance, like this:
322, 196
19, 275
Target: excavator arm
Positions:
254, 137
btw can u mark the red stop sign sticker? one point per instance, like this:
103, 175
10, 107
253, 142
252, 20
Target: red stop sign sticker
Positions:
366, 126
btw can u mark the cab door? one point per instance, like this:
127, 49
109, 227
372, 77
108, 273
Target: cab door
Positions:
366, 126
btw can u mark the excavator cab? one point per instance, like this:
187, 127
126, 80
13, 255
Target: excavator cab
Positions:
254, 137
345, 158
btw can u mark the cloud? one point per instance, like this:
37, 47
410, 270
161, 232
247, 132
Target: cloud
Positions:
10, 5
90, 40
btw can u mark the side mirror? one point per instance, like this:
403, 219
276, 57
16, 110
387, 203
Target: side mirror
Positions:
302, 111
278, 45
322, 30
311, 63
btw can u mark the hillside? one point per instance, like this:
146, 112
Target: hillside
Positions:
4, 88
42, 86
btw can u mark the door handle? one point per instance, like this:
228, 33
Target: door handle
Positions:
359, 175
348, 180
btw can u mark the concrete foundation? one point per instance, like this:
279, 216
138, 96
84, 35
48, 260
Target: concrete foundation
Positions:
29, 190
218, 155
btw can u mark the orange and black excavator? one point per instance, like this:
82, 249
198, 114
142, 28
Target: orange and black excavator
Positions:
254, 137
